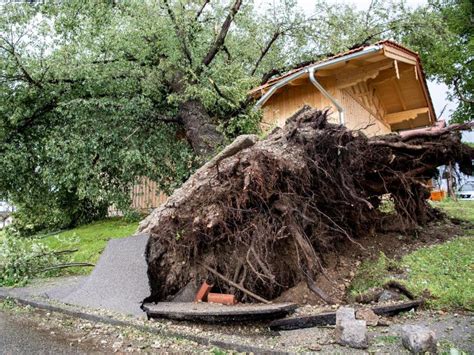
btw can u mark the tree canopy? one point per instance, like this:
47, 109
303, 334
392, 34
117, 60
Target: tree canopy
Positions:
94, 94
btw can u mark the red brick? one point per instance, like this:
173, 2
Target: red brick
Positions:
221, 298
201, 295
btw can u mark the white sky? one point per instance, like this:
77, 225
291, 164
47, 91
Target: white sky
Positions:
439, 92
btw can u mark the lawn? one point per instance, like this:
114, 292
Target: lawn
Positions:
90, 239
461, 209
445, 270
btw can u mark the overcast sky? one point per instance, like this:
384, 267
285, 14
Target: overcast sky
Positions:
439, 92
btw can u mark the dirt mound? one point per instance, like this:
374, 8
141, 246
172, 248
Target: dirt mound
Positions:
263, 213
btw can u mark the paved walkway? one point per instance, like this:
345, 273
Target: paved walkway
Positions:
119, 282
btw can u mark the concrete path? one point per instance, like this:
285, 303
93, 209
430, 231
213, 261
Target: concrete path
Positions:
119, 282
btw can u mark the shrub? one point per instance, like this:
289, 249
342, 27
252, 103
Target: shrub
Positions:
22, 258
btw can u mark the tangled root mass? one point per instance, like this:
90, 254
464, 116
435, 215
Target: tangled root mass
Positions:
264, 212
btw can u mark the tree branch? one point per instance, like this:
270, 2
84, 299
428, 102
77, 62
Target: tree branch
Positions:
460, 94
222, 34
198, 14
179, 33
220, 93
265, 50
18, 62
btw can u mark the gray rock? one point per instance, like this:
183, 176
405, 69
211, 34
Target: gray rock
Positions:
418, 339
352, 333
389, 295
187, 293
344, 313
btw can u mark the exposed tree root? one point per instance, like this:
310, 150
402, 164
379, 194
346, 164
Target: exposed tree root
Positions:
264, 213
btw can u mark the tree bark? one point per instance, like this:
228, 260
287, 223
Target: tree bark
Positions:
201, 132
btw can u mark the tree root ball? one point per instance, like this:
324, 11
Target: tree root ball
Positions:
264, 212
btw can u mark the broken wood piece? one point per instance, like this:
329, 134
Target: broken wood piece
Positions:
319, 292
400, 287
329, 318
221, 298
203, 292
231, 283
394, 309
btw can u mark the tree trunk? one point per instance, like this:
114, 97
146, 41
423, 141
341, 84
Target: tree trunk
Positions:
201, 132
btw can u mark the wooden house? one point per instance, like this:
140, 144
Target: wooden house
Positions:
379, 89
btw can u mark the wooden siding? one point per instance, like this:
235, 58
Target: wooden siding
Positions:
291, 98
358, 117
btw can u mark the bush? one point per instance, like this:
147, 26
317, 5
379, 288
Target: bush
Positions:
22, 258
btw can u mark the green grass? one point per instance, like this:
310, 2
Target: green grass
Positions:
457, 209
387, 339
371, 273
445, 270
90, 239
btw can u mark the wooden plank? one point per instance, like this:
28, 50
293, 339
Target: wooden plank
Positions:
399, 55
329, 318
405, 115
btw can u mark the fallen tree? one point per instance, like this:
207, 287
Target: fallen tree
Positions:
263, 213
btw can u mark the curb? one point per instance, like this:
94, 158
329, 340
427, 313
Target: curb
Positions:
115, 322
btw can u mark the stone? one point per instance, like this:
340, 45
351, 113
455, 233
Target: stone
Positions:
418, 339
368, 315
315, 347
349, 331
389, 295
384, 322
344, 313
352, 333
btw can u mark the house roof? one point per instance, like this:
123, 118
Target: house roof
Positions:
384, 45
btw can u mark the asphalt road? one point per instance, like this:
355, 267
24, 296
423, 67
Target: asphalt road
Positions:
19, 338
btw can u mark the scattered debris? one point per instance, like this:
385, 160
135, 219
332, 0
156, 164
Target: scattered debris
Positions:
221, 298
372, 295
418, 339
395, 285
232, 283
389, 296
349, 331
329, 318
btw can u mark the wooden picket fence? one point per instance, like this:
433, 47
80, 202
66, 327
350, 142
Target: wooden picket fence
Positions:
145, 197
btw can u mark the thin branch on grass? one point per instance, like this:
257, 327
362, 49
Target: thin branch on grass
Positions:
64, 266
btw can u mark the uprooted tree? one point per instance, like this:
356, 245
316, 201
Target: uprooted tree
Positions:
263, 213
95, 94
